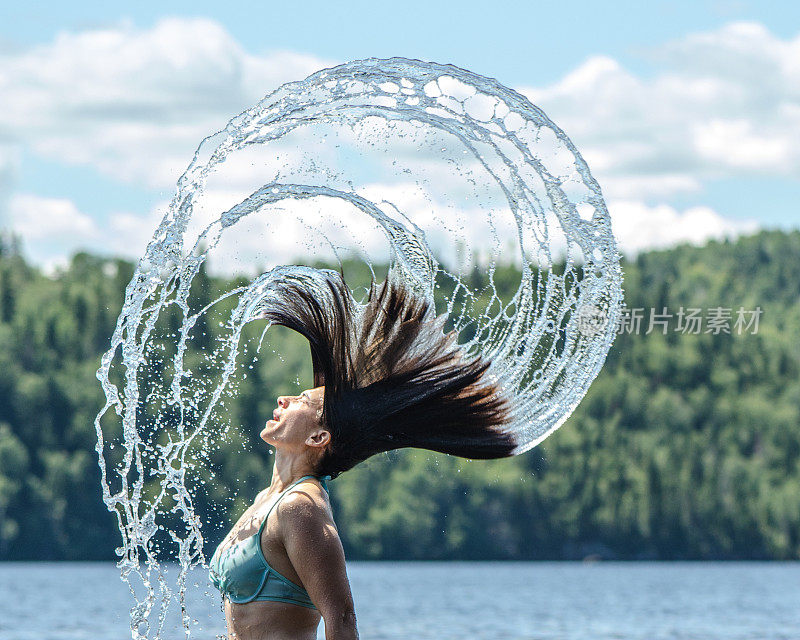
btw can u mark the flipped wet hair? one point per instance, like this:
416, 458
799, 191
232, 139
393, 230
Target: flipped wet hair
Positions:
392, 377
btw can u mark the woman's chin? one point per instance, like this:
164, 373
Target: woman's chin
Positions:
266, 432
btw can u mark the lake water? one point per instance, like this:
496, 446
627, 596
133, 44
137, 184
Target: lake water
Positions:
437, 601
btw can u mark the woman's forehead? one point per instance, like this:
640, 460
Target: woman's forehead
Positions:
315, 393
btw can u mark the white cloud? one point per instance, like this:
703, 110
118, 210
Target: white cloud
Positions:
128, 234
50, 227
638, 227
9, 161
738, 144
722, 104
37, 218
135, 103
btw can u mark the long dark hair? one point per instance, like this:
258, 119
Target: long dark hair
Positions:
392, 377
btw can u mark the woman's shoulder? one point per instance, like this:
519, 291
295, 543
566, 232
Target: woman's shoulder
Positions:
307, 491
306, 503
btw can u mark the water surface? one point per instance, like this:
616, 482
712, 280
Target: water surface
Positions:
438, 600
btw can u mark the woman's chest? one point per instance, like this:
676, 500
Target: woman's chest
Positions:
248, 524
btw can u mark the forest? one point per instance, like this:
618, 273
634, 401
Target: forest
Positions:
687, 445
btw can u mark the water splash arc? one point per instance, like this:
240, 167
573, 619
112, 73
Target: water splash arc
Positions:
526, 185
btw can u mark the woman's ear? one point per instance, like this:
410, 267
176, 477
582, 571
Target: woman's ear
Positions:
319, 438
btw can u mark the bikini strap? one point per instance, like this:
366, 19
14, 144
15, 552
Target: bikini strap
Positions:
323, 481
285, 491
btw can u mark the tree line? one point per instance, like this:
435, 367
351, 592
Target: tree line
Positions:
687, 445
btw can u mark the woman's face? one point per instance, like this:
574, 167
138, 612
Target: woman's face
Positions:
294, 423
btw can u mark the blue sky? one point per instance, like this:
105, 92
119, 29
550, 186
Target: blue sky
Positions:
517, 42
718, 159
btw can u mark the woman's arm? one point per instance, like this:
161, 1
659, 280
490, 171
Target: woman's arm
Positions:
315, 551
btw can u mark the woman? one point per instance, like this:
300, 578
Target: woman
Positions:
384, 378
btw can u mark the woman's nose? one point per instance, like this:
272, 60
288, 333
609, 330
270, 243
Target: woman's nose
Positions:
282, 402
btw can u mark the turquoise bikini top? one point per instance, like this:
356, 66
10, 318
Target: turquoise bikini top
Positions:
243, 574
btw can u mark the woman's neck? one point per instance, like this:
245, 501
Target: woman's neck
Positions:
287, 469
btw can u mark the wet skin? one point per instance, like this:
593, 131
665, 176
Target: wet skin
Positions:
300, 539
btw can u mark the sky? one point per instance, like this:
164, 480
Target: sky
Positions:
688, 113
